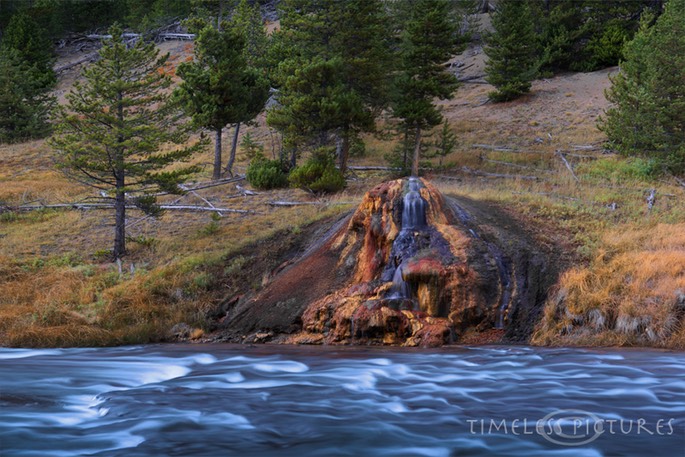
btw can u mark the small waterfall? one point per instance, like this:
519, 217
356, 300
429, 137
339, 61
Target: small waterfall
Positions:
413, 218
400, 288
414, 210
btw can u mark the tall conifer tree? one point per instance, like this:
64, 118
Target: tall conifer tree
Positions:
333, 71
648, 94
119, 133
428, 42
25, 102
219, 88
513, 60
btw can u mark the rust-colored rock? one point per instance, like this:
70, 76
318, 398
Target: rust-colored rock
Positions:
445, 294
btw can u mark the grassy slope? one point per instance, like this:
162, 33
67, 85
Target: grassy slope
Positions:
56, 288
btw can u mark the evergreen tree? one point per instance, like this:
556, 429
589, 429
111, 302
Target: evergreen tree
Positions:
648, 95
445, 143
560, 28
513, 62
609, 25
219, 88
209, 12
584, 35
25, 103
429, 40
248, 23
29, 40
332, 75
119, 132
365, 71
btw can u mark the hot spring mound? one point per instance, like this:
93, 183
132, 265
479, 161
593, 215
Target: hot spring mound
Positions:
408, 267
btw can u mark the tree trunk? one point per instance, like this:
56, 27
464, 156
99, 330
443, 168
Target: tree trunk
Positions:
119, 185
405, 147
293, 157
217, 155
417, 150
344, 152
234, 147
120, 218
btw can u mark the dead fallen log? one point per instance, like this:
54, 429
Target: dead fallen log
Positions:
87, 59
97, 37
470, 78
286, 203
207, 185
86, 206
291, 203
204, 208
568, 165
586, 147
177, 36
490, 147
373, 168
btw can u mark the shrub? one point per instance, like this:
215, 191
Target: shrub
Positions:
318, 174
622, 170
263, 173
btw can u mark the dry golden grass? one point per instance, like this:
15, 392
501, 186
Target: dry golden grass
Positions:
633, 293
70, 300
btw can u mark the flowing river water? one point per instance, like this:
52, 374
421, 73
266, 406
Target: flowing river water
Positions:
222, 400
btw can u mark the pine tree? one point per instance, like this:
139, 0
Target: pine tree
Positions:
513, 62
585, 35
119, 132
209, 12
648, 95
333, 74
429, 40
25, 103
248, 23
29, 40
445, 143
560, 28
219, 88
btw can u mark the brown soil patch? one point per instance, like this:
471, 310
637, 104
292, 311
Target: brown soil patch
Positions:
279, 306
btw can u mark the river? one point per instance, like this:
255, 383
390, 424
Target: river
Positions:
218, 400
